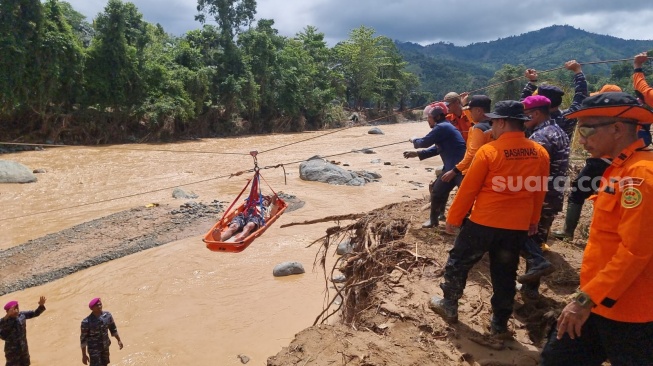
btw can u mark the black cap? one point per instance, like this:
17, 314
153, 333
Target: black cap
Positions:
613, 104
552, 92
482, 101
508, 109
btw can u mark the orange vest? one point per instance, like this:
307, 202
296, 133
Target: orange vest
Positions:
461, 123
617, 268
506, 183
476, 139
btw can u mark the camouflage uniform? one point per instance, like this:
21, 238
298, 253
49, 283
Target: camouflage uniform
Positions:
580, 93
95, 337
555, 141
552, 137
14, 332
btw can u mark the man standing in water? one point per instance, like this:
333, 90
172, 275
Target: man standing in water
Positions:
95, 335
14, 332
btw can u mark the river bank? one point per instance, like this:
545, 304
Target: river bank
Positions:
178, 303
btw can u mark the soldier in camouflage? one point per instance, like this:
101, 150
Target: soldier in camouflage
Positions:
547, 133
95, 335
555, 96
13, 331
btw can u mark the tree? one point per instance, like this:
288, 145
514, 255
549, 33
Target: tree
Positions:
61, 55
20, 31
113, 61
360, 57
81, 28
260, 47
231, 74
325, 83
510, 83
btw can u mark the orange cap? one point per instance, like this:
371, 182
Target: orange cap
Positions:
608, 88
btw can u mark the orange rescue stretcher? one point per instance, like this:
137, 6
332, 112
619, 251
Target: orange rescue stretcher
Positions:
276, 208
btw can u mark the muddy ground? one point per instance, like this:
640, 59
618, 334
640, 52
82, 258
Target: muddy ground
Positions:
384, 318
94, 242
385, 322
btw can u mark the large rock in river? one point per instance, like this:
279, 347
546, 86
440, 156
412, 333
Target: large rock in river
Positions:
13, 172
319, 170
287, 269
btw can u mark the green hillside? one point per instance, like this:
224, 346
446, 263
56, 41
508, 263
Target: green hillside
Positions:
443, 66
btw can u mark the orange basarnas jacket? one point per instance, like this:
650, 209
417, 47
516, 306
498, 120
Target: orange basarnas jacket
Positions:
461, 123
617, 270
475, 140
640, 84
492, 184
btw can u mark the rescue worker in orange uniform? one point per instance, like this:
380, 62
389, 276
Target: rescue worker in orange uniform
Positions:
479, 134
456, 116
644, 91
611, 317
506, 184
639, 79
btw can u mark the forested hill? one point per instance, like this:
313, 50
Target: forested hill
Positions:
542, 49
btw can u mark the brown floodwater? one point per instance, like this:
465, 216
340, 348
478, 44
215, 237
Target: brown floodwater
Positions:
181, 304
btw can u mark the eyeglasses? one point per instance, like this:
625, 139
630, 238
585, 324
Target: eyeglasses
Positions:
587, 131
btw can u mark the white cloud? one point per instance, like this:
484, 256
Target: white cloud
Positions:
420, 21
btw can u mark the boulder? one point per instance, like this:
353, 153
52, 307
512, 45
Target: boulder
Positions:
339, 279
375, 131
344, 247
317, 170
13, 172
368, 176
179, 193
287, 269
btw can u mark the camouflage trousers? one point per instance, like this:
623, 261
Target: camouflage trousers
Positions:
99, 357
544, 225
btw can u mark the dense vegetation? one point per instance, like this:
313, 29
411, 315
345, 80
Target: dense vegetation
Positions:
444, 67
120, 78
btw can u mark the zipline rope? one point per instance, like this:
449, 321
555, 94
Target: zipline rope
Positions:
549, 70
338, 130
281, 165
275, 148
328, 133
126, 149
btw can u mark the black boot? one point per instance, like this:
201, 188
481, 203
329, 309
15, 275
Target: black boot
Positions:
447, 309
571, 221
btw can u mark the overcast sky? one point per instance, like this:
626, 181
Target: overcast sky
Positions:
420, 21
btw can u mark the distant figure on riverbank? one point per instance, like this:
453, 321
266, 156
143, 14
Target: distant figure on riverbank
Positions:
13, 331
95, 335
248, 221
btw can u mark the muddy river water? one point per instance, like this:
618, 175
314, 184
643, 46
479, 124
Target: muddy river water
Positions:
180, 304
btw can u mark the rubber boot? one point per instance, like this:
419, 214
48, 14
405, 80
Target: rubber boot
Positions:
433, 216
447, 309
443, 208
571, 221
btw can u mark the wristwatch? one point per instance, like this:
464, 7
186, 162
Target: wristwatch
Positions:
583, 299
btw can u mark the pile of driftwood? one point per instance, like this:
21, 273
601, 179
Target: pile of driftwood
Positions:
376, 250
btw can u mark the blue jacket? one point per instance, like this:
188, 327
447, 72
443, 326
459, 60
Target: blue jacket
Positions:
555, 141
444, 140
580, 93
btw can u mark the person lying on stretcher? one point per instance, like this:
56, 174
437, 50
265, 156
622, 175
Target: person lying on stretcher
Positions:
248, 221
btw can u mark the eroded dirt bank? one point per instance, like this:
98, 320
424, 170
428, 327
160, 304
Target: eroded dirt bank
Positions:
383, 317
